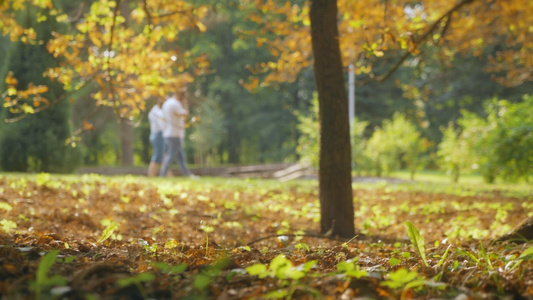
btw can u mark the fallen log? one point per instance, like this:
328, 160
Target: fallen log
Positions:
523, 233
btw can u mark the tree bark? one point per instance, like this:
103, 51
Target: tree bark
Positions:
335, 184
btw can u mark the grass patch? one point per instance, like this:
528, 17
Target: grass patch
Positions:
133, 236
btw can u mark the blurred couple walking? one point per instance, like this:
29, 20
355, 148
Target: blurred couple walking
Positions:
167, 133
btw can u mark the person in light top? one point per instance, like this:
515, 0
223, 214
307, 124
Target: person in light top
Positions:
155, 118
175, 112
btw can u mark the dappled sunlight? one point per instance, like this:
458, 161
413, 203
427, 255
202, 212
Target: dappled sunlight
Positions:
142, 227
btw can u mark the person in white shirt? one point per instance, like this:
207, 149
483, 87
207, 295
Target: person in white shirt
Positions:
174, 114
155, 118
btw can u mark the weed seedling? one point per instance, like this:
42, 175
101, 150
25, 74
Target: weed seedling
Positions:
283, 269
417, 240
108, 231
42, 281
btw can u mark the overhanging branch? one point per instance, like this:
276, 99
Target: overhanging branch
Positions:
423, 37
48, 105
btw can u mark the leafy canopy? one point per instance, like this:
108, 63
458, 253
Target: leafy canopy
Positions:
371, 30
126, 48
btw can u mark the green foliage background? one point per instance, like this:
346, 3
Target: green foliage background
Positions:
36, 143
399, 121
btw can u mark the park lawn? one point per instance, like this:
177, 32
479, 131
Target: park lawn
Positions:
95, 237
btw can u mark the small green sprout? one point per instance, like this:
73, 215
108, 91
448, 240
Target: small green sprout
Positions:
417, 240
108, 231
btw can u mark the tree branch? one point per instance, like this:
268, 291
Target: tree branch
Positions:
418, 41
112, 33
148, 15
109, 50
171, 14
78, 15
48, 105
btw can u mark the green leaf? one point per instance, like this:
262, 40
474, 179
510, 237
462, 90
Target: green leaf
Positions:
5, 206
127, 281
472, 257
70, 259
202, 281
162, 266
294, 274
246, 248
7, 225
108, 231
257, 270
145, 277
357, 273
444, 256
279, 262
415, 283
279, 294
351, 269
44, 266
345, 266
417, 240
309, 265
42, 281
178, 269
394, 261
527, 254
302, 246
401, 278
455, 264
403, 275
485, 256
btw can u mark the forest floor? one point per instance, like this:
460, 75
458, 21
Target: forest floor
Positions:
128, 237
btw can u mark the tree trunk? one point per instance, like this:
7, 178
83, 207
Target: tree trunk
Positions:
335, 184
126, 139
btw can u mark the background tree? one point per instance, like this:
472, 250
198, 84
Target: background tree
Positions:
382, 153
454, 153
119, 46
308, 142
512, 138
209, 133
132, 51
407, 141
373, 28
500, 142
360, 160
38, 143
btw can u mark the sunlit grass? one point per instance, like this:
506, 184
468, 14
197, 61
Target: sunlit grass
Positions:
194, 222
473, 182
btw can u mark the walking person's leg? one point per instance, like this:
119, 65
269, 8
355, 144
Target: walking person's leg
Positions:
157, 142
170, 151
182, 159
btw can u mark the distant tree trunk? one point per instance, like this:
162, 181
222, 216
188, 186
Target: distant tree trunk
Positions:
126, 139
335, 184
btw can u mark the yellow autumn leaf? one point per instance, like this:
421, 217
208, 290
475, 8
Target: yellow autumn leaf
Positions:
27, 109
87, 125
10, 80
11, 91
201, 27
62, 18
378, 53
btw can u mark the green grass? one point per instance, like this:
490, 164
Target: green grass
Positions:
427, 181
471, 182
